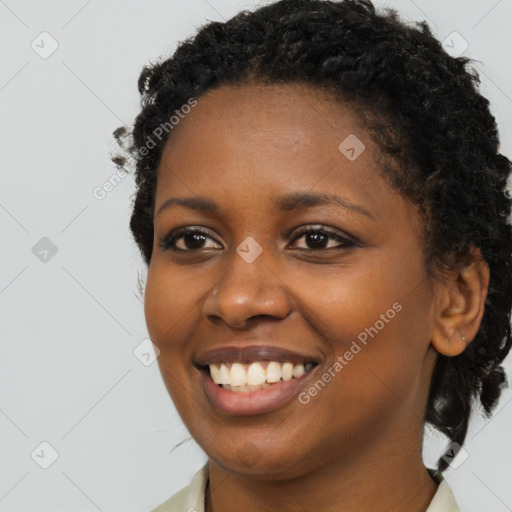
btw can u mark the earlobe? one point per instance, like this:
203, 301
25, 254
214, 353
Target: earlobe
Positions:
451, 347
460, 302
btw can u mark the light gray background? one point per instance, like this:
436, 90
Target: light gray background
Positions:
68, 373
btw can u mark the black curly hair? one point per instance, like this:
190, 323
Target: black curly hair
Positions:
439, 147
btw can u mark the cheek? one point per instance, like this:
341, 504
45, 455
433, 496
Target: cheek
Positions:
366, 296
375, 324
169, 302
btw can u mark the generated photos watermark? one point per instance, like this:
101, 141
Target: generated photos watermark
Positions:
101, 192
355, 347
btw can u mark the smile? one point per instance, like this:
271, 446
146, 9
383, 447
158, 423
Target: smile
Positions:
253, 379
238, 377
253, 399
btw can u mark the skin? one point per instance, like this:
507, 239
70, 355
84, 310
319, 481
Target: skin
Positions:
358, 442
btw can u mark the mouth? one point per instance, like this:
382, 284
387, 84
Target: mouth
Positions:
245, 378
253, 380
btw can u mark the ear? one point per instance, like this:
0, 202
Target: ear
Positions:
459, 305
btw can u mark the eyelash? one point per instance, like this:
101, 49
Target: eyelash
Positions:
169, 241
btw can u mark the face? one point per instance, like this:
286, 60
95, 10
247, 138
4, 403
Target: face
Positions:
301, 253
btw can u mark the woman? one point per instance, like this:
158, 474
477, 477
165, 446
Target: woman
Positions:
324, 214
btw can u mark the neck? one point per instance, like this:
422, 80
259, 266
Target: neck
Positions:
387, 479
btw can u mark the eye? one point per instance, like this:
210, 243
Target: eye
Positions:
190, 239
317, 238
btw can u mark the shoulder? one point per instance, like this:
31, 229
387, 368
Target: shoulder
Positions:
190, 497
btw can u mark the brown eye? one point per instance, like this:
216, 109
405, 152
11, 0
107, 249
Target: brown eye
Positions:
189, 239
318, 239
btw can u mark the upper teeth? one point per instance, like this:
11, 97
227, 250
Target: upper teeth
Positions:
253, 374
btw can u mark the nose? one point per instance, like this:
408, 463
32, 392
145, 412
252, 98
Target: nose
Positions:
247, 291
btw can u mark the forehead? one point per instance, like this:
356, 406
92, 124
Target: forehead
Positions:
280, 133
298, 111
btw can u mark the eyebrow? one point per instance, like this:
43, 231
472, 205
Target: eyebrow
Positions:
287, 203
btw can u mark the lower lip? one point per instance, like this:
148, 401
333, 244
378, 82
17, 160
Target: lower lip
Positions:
245, 403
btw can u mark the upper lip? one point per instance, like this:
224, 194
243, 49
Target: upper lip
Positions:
251, 353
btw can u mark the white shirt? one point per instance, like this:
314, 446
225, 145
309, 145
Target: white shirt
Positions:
191, 498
